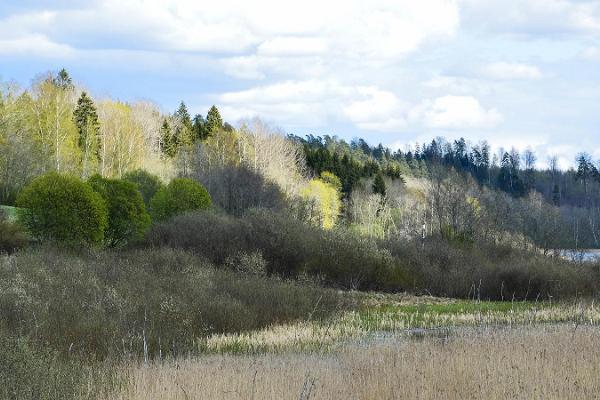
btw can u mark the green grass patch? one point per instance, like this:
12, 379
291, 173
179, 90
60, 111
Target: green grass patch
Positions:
11, 212
459, 307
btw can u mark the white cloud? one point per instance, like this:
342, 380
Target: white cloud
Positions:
510, 71
534, 18
340, 32
314, 102
591, 53
455, 112
37, 45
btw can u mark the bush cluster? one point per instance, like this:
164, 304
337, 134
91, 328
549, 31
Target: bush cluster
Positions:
345, 259
289, 247
64, 209
179, 196
487, 271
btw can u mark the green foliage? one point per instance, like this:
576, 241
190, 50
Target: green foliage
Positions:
168, 140
127, 216
179, 196
12, 236
379, 185
322, 202
64, 209
146, 183
214, 122
88, 126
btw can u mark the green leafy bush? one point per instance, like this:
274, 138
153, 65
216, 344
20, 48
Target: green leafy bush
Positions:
179, 196
146, 183
64, 209
127, 216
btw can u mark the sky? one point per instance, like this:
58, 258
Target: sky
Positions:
514, 72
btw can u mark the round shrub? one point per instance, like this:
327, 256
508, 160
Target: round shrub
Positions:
147, 183
127, 216
64, 209
179, 196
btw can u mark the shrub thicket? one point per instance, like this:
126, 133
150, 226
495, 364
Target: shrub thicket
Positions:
179, 196
147, 183
63, 208
98, 304
128, 219
461, 269
289, 247
346, 259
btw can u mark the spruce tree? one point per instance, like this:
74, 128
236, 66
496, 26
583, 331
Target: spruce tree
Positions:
214, 122
169, 144
183, 127
88, 127
379, 184
199, 128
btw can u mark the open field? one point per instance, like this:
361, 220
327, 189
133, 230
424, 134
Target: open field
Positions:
534, 362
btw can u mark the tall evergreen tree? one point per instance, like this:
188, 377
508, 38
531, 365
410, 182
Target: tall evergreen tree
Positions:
379, 184
199, 128
214, 122
88, 127
183, 127
168, 140
63, 80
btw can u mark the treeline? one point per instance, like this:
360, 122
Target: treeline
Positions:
56, 125
573, 194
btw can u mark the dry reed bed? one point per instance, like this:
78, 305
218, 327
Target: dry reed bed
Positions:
533, 362
316, 336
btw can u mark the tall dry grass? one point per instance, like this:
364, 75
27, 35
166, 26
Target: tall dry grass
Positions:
544, 362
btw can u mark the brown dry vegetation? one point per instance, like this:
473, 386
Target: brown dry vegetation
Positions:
543, 362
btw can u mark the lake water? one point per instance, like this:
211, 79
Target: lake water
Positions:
582, 255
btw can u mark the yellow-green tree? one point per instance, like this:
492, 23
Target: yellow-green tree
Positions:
50, 106
122, 146
323, 203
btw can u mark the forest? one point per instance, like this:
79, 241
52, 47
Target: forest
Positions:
130, 234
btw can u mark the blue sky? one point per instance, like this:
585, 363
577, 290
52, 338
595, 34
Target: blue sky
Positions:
517, 73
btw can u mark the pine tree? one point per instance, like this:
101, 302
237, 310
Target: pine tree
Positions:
88, 127
63, 80
199, 128
168, 142
214, 122
183, 127
379, 184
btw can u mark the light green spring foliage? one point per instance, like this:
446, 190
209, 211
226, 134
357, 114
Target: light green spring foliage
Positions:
179, 196
63, 209
128, 219
323, 198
